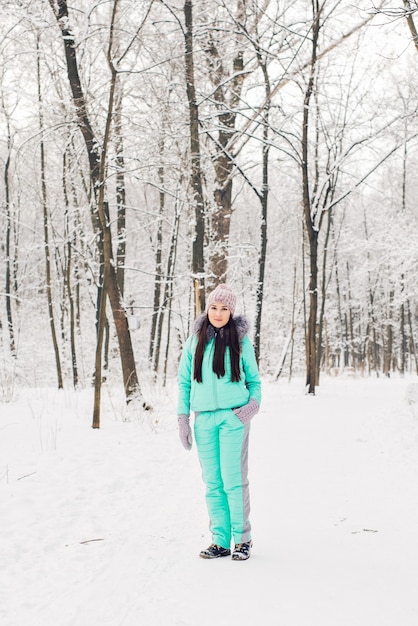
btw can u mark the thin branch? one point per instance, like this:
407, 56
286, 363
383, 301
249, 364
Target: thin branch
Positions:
286, 79
373, 169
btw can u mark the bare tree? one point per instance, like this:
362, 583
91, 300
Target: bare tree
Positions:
409, 11
313, 220
410, 7
9, 233
196, 176
68, 270
47, 249
98, 160
120, 190
226, 72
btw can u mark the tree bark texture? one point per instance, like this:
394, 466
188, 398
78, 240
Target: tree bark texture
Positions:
97, 163
411, 24
196, 178
120, 192
68, 274
156, 311
312, 229
48, 278
8, 251
227, 97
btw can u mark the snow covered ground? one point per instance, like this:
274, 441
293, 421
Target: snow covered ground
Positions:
103, 528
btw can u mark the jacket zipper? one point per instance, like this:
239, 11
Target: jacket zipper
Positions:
215, 395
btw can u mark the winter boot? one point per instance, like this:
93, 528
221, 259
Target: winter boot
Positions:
214, 552
242, 551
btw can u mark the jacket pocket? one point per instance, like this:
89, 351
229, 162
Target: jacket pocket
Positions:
236, 418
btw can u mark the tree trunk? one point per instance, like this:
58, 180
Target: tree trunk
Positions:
294, 320
323, 293
97, 163
263, 247
48, 278
412, 345
311, 228
168, 293
120, 193
156, 312
101, 322
8, 262
311, 377
355, 356
371, 327
388, 353
341, 318
68, 276
198, 263
227, 101
402, 330
411, 23
262, 63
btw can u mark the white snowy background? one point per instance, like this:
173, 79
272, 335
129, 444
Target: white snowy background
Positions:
103, 527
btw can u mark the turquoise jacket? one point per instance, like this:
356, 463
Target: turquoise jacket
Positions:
215, 393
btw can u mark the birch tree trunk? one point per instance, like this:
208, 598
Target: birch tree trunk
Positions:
8, 246
120, 191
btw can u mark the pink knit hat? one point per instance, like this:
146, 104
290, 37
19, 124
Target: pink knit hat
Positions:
223, 293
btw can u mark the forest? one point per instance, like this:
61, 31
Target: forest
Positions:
152, 149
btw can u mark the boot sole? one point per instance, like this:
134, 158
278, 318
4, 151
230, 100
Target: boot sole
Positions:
240, 558
217, 556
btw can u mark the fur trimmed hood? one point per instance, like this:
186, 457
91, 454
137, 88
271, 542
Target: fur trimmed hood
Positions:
241, 323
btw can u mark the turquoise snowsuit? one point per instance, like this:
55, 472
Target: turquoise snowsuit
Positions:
221, 438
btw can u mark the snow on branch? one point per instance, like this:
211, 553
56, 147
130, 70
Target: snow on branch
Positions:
409, 8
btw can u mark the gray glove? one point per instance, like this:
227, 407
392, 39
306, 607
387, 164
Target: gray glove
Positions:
246, 413
185, 431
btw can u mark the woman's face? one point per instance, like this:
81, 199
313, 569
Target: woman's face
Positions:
218, 314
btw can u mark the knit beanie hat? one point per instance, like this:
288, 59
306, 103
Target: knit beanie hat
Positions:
223, 293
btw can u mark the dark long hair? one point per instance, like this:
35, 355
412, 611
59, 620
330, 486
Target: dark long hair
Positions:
225, 336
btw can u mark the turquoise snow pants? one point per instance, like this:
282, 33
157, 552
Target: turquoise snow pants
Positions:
222, 445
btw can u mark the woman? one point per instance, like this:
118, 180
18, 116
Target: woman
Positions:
219, 380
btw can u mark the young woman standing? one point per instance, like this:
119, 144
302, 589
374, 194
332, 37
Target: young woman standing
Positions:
218, 379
